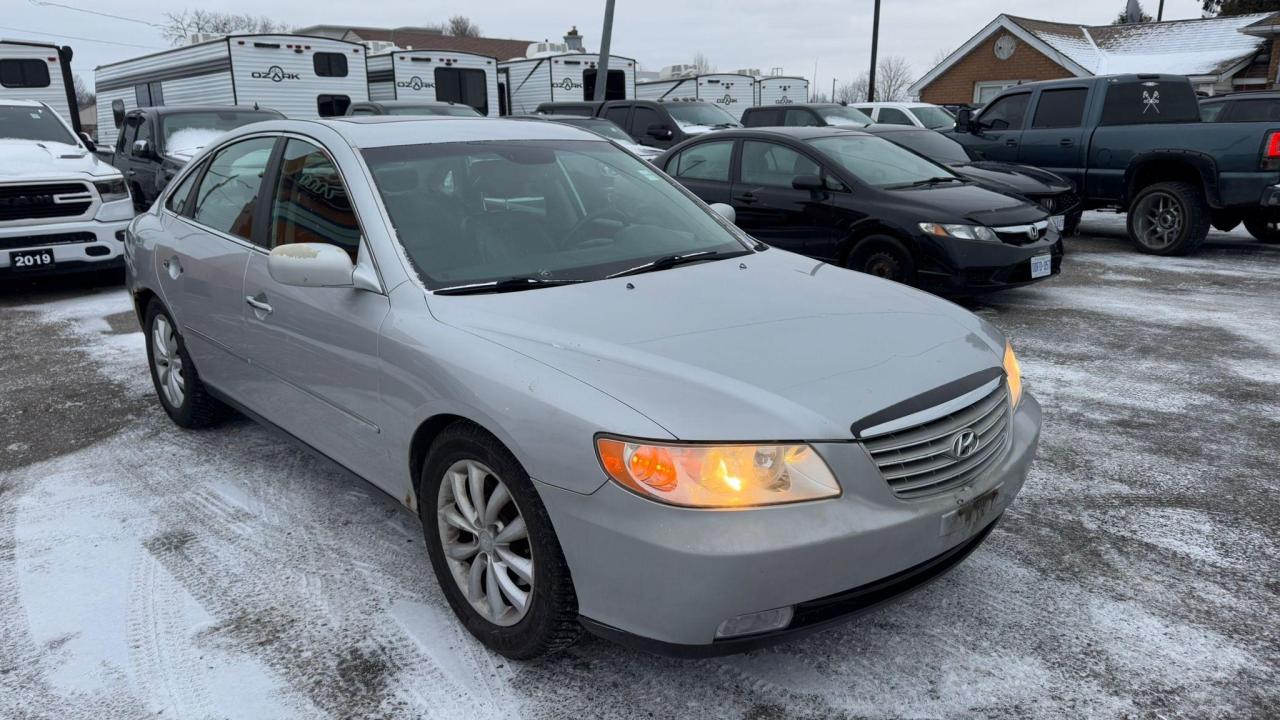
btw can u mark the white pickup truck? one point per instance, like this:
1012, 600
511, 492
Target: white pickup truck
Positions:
61, 208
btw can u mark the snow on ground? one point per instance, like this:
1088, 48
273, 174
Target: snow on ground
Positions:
147, 571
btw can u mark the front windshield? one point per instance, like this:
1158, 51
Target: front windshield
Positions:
185, 132
601, 127
878, 162
451, 110
844, 116
934, 118
476, 212
931, 144
701, 113
32, 123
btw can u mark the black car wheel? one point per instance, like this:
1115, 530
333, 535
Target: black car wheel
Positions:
1267, 231
884, 257
1169, 218
178, 386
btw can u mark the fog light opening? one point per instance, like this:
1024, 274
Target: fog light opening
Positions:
755, 623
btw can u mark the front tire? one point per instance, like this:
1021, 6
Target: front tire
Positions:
1263, 230
178, 386
1168, 218
883, 257
493, 548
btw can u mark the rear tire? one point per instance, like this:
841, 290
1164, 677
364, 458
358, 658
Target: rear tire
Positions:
178, 386
1168, 218
548, 622
883, 257
1263, 230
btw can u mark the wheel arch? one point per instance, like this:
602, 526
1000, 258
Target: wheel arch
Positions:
1172, 165
865, 230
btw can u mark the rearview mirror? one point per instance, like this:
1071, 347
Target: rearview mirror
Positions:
311, 265
725, 211
807, 182
659, 132
88, 141
964, 120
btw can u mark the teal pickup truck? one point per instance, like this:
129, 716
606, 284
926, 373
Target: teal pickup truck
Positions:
1136, 143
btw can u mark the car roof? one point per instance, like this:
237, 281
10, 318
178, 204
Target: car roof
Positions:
894, 104
805, 132
184, 109
785, 106
1269, 95
888, 128
558, 116
20, 103
368, 131
408, 103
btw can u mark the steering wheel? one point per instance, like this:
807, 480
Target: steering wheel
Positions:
591, 218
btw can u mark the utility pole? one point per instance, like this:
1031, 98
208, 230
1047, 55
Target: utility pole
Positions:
875, 45
1160, 12
833, 89
602, 68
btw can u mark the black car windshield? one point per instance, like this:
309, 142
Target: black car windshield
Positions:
933, 145
186, 132
451, 110
469, 213
933, 117
701, 113
844, 116
601, 127
878, 162
23, 122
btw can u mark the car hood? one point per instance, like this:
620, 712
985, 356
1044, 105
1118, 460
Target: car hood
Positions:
43, 160
966, 203
1020, 179
768, 346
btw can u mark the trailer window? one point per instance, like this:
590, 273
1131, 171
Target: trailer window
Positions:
149, 94
332, 105
466, 86
330, 64
24, 74
614, 89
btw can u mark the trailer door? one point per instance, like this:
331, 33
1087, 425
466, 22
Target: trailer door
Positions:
614, 89
463, 85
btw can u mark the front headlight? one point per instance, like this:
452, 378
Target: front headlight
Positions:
962, 232
717, 476
112, 190
1013, 372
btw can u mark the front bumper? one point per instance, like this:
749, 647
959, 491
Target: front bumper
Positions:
76, 246
969, 267
665, 578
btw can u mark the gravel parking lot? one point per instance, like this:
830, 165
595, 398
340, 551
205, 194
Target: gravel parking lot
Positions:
150, 572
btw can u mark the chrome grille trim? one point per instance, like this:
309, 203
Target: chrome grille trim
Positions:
916, 461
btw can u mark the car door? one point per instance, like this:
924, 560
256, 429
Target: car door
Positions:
704, 169
1055, 138
123, 158
770, 209
203, 254
144, 162
644, 119
314, 350
997, 132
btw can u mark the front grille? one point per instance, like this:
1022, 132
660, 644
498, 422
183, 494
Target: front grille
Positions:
35, 202
919, 461
35, 241
1058, 203
1022, 234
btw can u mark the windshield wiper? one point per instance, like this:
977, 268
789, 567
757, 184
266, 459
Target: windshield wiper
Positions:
935, 181
670, 261
514, 284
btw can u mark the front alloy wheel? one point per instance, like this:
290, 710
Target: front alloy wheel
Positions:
167, 361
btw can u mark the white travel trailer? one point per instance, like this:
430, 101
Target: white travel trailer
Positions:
730, 91
299, 75
529, 82
442, 75
781, 90
40, 72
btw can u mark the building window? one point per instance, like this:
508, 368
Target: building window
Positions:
332, 105
330, 64
24, 74
983, 92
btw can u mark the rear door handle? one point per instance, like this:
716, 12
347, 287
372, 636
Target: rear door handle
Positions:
1011, 142
257, 304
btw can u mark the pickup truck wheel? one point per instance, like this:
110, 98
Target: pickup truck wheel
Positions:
884, 257
178, 387
1169, 218
1263, 230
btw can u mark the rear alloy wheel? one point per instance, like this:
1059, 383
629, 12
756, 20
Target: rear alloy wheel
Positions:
883, 257
1169, 218
1266, 231
178, 387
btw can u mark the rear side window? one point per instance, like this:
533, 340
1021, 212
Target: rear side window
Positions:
24, 73
618, 115
643, 119
1251, 111
705, 161
330, 64
1211, 112
229, 189
332, 105
795, 117
893, 116
1060, 108
773, 165
1150, 101
465, 86
1005, 113
310, 204
761, 118
177, 201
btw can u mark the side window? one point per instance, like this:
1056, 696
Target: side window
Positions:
128, 134
330, 64
1250, 111
310, 204
229, 189
893, 116
643, 119
1060, 108
24, 74
332, 105
1006, 112
1211, 111
178, 199
795, 117
762, 118
705, 161
618, 114
772, 165
866, 110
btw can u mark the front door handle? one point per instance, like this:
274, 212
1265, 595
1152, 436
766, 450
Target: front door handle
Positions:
131, 173
1011, 142
745, 198
259, 305
1066, 142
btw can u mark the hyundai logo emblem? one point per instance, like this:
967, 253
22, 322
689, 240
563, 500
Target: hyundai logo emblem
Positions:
964, 444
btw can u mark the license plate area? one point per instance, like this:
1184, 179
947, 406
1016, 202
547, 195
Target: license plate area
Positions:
1041, 266
31, 259
973, 514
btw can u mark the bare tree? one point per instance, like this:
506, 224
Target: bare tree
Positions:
941, 55
892, 79
84, 96
461, 26
853, 92
703, 64
178, 26
820, 97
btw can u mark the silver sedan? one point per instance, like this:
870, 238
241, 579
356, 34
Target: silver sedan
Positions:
610, 408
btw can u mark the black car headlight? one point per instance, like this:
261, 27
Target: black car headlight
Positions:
112, 190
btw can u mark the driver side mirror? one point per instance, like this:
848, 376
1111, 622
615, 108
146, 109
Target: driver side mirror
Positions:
311, 265
812, 183
659, 132
726, 211
964, 120
142, 148
88, 141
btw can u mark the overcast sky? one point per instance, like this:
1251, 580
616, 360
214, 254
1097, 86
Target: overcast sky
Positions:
834, 34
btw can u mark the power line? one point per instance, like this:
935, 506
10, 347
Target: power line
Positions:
83, 39
94, 12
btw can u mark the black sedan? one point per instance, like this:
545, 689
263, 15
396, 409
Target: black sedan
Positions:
1056, 194
859, 201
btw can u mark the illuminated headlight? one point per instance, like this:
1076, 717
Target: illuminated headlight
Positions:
963, 232
717, 476
112, 190
1012, 373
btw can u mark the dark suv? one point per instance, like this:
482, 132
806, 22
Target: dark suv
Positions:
804, 115
656, 123
155, 143
1241, 107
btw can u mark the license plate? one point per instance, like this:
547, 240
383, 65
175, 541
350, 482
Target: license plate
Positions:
1059, 222
1041, 265
31, 259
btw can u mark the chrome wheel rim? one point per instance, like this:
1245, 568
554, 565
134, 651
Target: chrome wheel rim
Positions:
486, 542
170, 374
1158, 220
